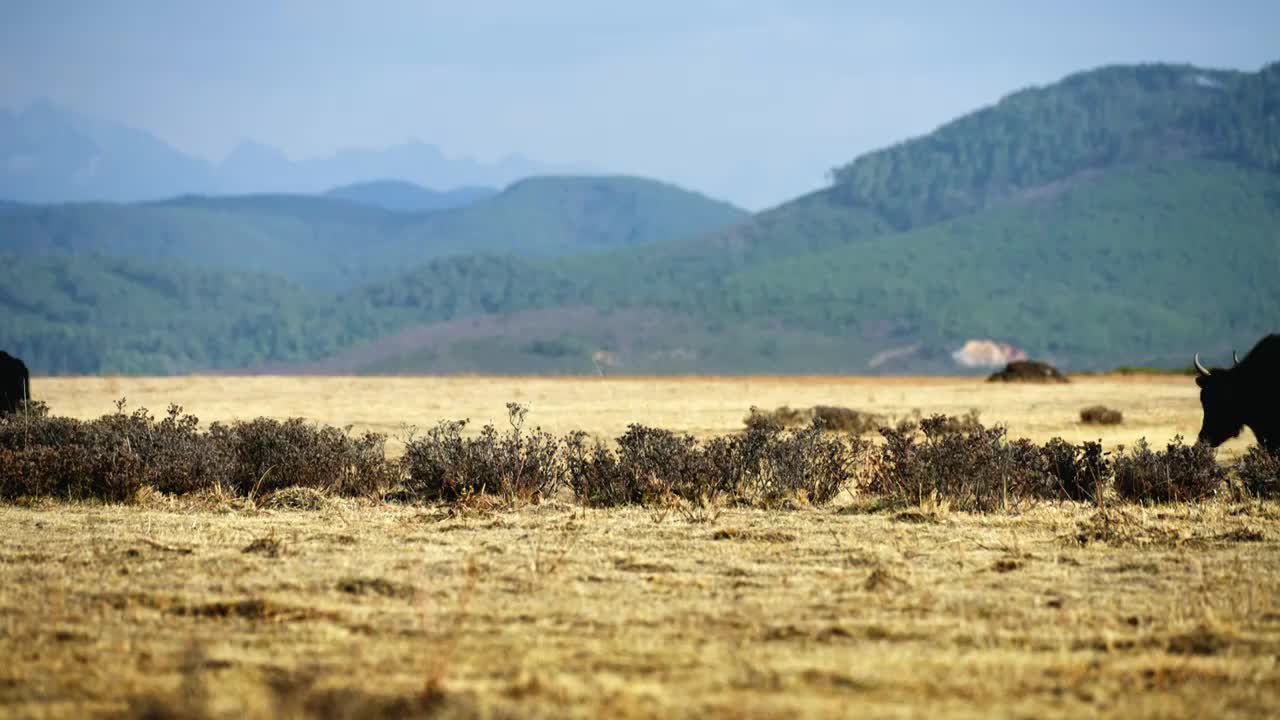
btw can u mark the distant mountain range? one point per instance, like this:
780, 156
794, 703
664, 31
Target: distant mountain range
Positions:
1128, 215
49, 154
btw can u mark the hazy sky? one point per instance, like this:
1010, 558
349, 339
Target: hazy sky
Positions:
748, 100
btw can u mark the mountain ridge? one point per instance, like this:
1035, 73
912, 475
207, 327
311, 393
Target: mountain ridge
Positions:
404, 196
57, 155
332, 243
1123, 216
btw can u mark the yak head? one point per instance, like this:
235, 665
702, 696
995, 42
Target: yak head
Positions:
1221, 399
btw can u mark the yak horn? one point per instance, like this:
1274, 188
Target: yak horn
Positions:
1200, 366
1234, 360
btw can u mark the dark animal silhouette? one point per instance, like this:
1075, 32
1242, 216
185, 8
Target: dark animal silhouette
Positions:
1028, 371
1245, 395
15, 383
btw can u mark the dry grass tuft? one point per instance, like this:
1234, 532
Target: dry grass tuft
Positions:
253, 608
270, 547
296, 498
753, 535
375, 586
296, 694
1101, 415
919, 517
1242, 535
1202, 640
1117, 528
882, 580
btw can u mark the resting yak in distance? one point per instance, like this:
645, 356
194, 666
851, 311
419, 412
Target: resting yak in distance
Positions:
1245, 394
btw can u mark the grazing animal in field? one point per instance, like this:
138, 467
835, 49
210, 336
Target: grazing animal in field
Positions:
1245, 395
15, 383
1028, 371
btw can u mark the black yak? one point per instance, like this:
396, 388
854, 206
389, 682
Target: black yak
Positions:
15, 383
1245, 395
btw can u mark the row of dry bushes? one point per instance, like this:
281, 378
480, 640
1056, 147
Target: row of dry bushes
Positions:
957, 461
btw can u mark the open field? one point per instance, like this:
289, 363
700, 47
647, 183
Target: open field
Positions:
214, 606
1155, 407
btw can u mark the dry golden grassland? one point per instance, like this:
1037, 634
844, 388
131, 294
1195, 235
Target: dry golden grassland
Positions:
209, 606
1155, 407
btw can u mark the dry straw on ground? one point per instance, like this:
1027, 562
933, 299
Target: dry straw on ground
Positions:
387, 610
217, 605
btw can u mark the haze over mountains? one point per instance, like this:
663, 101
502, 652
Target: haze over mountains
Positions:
49, 154
1125, 215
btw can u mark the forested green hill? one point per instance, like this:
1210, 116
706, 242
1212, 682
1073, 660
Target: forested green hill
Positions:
1087, 123
85, 314
407, 197
1140, 266
334, 244
1125, 216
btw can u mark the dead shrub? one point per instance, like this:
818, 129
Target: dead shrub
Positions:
661, 461
595, 475
113, 456
764, 464
833, 418
269, 455
1259, 472
847, 420
178, 457
1181, 473
36, 427
737, 461
970, 470
940, 424
519, 466
101, 470
1078, 472
650, 464
1101, 415
781, 417
44, 456
807, 463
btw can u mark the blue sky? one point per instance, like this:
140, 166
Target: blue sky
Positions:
751, 101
